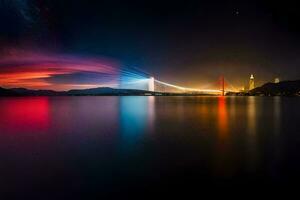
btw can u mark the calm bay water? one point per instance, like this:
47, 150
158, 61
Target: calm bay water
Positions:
109, 145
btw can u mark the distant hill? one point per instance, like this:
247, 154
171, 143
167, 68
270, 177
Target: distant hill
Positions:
106, 91
84, 92
7, 92
284, 88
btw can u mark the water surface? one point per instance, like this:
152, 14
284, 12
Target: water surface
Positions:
109, 145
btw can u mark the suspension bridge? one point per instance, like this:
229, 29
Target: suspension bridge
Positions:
160, 86
135, 79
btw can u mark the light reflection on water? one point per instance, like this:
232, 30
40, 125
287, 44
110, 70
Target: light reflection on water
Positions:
222, 117
252, 152
251, 111
136, 117
24, 114
212, 137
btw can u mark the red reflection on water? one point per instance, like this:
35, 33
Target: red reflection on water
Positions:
24, 114
222, 117
223, 159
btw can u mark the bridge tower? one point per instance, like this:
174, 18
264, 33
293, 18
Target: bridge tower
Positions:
223, 85
151, 84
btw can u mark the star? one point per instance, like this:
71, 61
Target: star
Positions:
236, 12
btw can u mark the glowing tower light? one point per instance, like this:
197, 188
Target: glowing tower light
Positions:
251, 82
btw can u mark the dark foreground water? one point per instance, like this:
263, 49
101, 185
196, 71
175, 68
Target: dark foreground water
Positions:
118, 146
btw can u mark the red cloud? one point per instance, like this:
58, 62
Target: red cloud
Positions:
31, 70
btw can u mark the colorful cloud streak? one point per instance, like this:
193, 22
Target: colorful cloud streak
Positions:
54, 71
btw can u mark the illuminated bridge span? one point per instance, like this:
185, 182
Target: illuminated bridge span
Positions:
184, 89
135, 79
160, 86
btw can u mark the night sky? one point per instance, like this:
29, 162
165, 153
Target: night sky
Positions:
188, 43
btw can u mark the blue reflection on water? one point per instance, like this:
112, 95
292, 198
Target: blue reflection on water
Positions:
134, 115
